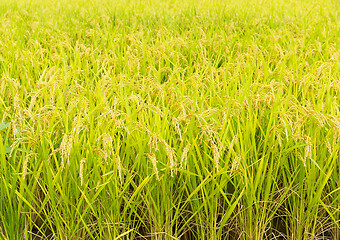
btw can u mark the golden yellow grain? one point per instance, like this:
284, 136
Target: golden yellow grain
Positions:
279, 139
285, 126
184, 157
329, 146
172, 157
308, 149
17, 102
175, 123
15, 145
214, 141
25, 164
233, 141
81, 171
33, 100
107, 146
216, 156
153, 159
77, 126
154, 139
236, 164
119, 167
65, 148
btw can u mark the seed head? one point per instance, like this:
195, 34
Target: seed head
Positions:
216, 155
308, 150
172, 157
119, 167
153, 159
185, 156
233, 141
236, 164
81, 171
65, 148
107, 146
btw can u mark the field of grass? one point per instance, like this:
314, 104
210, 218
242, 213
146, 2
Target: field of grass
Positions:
170, 119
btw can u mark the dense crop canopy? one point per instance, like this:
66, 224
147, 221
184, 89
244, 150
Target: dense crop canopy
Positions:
169, 119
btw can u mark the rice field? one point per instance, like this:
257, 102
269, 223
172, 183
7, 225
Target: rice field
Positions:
168, 119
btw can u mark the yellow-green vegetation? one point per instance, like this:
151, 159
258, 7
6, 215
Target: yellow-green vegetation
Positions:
169, 119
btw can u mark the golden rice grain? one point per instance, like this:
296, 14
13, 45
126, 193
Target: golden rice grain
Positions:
236, 164
119, 167
216, 155
172, 157
153, 159
184, 157
81, 171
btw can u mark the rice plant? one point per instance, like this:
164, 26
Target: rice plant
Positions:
168, 120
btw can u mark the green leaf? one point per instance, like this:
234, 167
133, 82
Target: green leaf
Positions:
8, 149
4, 125
23, 150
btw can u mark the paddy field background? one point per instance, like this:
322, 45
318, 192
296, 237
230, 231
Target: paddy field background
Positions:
163, 120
